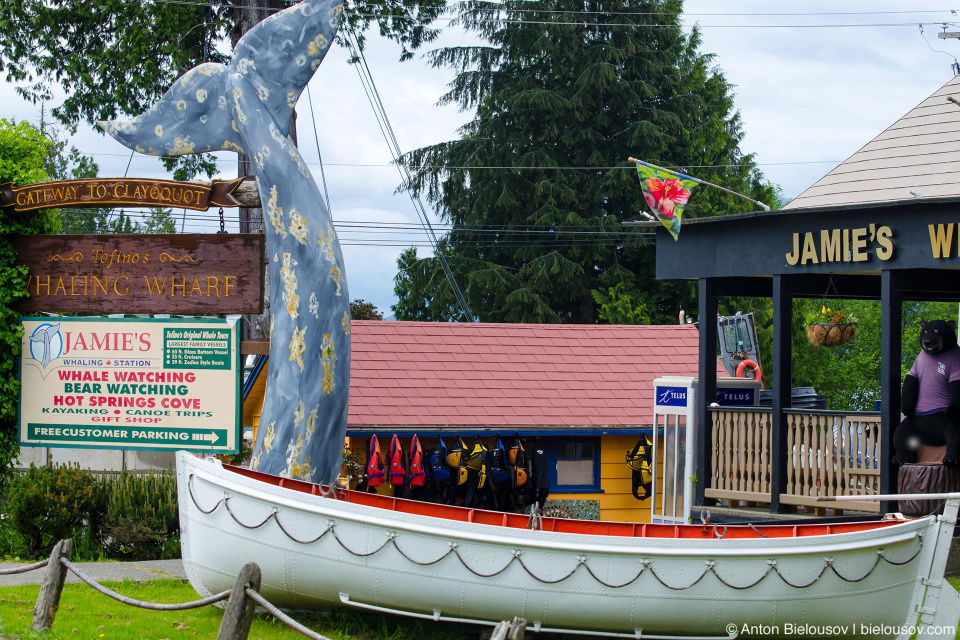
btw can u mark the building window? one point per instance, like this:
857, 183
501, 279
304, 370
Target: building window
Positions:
575, 466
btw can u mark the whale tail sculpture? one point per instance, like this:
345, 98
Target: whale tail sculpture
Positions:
246, 107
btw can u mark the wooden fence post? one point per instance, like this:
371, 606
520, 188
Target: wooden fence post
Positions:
49, 599
238, 615
509, 630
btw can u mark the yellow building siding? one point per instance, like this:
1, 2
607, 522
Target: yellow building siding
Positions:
616, 502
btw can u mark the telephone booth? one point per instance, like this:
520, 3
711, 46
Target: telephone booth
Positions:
674, 439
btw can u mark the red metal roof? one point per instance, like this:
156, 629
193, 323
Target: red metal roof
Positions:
511, 375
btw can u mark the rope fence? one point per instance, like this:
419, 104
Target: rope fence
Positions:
25, 568
242, 600
282, 617
155, 606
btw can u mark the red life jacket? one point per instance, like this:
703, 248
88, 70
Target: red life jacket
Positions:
416, 474
375, 472
397, 461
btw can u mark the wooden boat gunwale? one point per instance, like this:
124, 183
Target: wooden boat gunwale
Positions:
356, 506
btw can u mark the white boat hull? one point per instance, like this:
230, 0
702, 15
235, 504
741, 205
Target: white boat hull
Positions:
315, 552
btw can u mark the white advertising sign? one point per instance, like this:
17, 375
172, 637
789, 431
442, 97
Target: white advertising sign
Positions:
150, 384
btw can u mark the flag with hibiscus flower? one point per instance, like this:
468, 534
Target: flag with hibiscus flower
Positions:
666, 192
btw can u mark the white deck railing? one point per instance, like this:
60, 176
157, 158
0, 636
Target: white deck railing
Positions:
830, 453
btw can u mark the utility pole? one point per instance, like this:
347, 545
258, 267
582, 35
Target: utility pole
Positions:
249, 14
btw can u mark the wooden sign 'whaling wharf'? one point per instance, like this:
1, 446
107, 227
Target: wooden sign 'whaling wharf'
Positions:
143, 273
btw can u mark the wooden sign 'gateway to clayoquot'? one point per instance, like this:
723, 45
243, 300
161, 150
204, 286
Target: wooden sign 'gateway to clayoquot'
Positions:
100, 192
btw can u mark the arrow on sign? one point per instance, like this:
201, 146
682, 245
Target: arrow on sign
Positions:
213, 437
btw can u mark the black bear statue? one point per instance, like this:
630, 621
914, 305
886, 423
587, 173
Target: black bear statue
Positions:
930, 398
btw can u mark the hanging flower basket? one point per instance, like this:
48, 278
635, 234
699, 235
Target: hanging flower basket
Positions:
830, 328
831, 334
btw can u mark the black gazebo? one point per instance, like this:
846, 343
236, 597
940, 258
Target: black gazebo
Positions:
906, 250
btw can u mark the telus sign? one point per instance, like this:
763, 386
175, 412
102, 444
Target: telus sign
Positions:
737, 397
671, 396
677, 397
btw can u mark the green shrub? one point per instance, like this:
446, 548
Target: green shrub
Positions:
142, 521
47, 504
11, 542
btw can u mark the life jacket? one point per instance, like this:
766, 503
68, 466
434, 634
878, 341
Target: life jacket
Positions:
518, 477
397, 461
454, 455
456, 461
476, 461
497, 465
538, 488
416, 474
640, 460
374, 469
437, 463
475, 456
517, 462
516, 454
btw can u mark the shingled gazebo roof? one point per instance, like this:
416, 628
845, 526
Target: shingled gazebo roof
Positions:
920, 152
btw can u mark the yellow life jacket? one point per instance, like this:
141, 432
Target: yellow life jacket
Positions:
518, 476
455, 453
476, 455
640, 459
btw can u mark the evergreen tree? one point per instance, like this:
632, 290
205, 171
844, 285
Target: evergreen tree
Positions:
536, 189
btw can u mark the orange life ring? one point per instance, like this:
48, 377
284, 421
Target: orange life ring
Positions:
757, 373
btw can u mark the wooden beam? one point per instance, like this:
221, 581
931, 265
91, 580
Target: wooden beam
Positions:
941, 285
707, 372
254, 348
238, 614
819, 285
891, 320
782, 374
247, 195
743, 287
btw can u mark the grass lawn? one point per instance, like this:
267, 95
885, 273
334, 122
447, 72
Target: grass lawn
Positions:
87, 615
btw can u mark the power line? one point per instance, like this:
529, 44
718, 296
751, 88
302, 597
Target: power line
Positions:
373, 96
364, 227
625, 167
630, 13
680, 26
316, 137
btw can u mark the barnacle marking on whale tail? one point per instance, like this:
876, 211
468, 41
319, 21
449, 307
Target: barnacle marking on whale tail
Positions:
279, 55
198, 113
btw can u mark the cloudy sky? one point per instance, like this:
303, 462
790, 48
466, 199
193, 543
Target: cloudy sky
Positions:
813, 84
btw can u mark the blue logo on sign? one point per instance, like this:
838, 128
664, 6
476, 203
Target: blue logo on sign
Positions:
46, 343
671, 396
736, 397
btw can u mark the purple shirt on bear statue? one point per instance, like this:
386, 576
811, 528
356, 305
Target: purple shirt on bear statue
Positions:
935, 372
